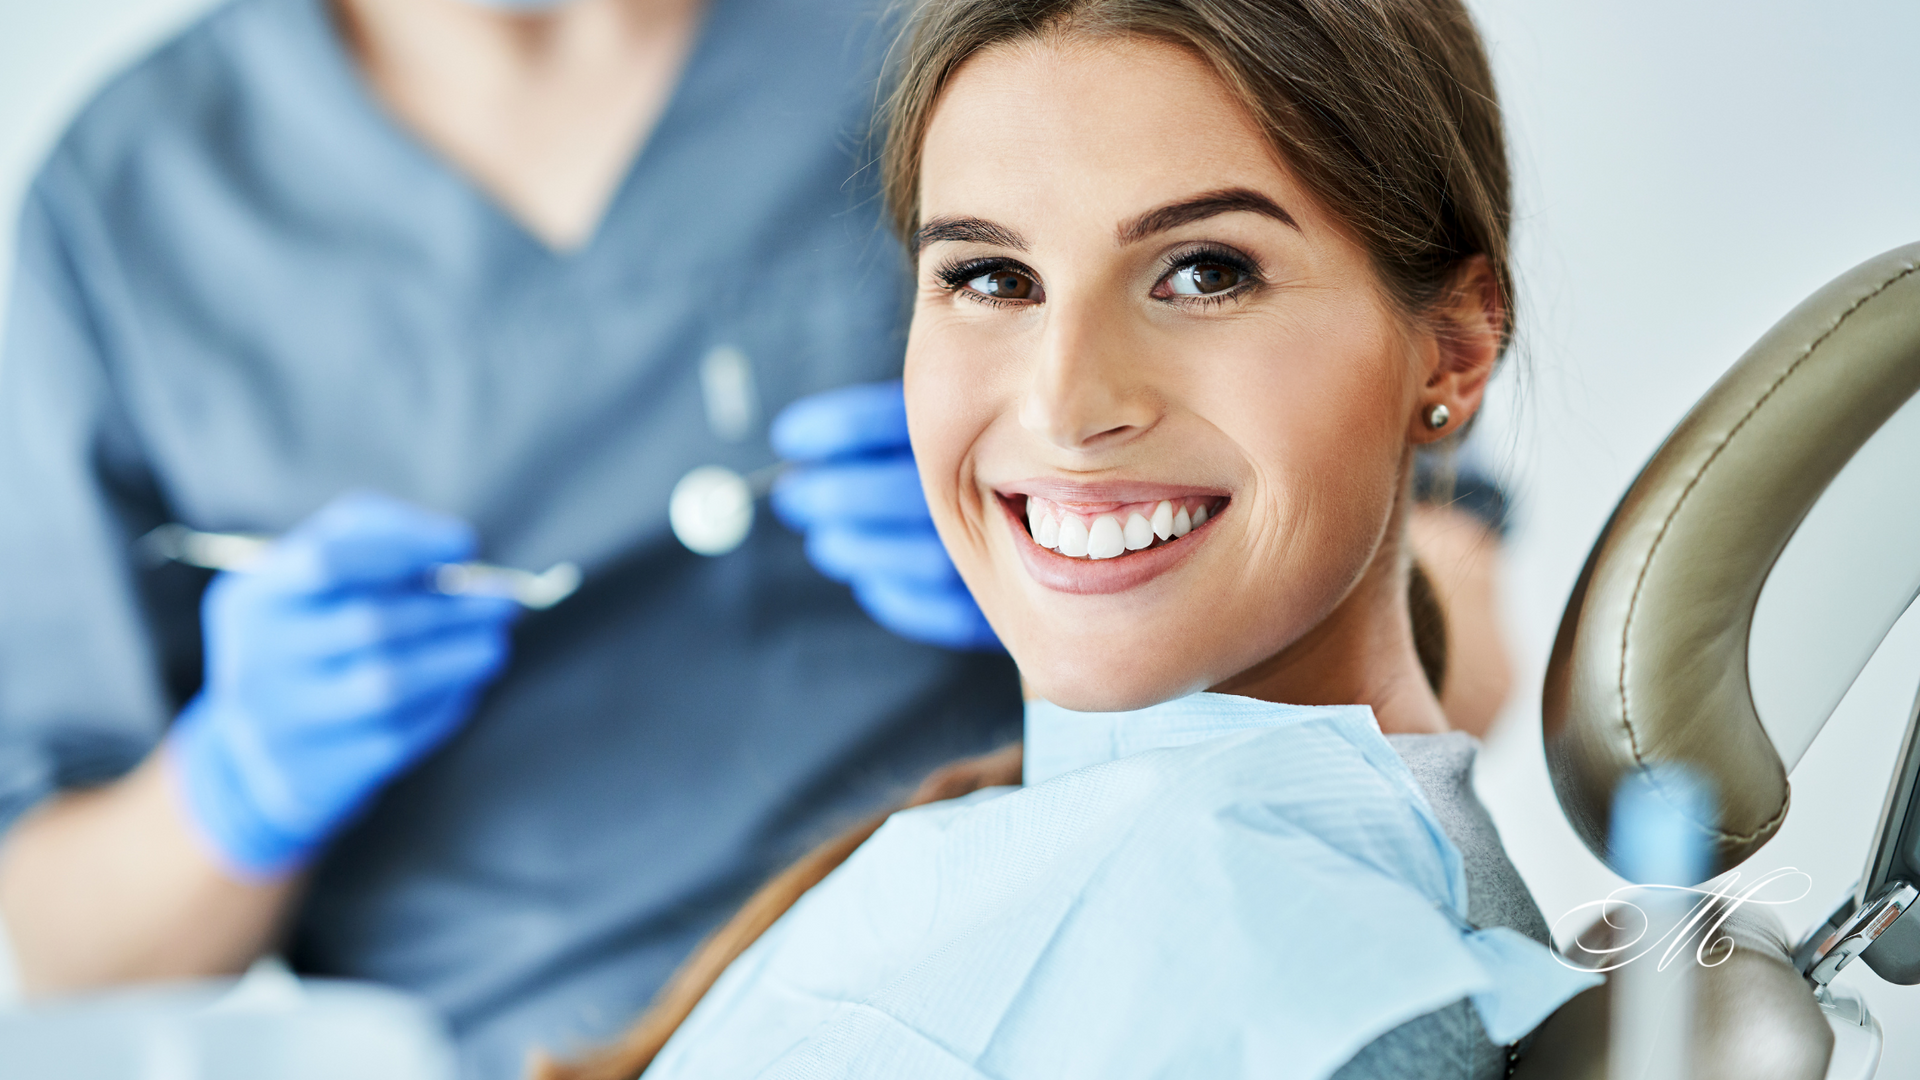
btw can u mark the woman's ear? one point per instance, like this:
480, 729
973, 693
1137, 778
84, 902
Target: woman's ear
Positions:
1468, 328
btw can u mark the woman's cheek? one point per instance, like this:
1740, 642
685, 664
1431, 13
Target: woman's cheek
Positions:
938, 422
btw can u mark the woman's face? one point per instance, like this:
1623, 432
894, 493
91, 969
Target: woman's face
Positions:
1160, 402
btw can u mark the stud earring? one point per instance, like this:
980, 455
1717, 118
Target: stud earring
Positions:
1438, 416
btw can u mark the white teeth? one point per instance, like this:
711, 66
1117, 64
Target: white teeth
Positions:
1073, 537
1106, 540
1106, 537
1048, 534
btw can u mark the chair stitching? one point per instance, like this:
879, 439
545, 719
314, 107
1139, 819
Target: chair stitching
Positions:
1633, 603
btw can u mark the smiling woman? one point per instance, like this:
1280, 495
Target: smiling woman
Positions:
1130, 298
1196, 279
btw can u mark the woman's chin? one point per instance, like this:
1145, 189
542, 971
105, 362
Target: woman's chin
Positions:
1106, 683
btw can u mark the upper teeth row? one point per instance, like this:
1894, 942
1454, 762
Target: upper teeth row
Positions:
1106, 537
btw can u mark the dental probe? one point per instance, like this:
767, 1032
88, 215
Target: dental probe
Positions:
238, 551
711, 508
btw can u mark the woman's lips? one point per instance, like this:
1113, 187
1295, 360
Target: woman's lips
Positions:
1106, 541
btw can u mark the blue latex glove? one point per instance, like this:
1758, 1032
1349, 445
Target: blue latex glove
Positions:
857, 498
330, 668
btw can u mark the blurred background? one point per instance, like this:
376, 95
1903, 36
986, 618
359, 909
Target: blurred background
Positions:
1687, 172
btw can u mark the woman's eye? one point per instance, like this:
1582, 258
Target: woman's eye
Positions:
1004, 285
1205, 279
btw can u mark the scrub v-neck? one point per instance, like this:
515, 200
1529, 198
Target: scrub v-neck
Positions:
377, 116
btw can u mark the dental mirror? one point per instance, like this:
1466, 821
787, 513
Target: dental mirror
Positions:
711, 508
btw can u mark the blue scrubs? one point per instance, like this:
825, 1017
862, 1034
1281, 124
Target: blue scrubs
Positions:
242, 289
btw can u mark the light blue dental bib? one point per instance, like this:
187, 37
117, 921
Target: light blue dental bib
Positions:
1211, 887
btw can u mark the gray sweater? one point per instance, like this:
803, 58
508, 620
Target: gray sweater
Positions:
1449, 1043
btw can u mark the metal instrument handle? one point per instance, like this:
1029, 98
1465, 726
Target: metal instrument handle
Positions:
1859, 931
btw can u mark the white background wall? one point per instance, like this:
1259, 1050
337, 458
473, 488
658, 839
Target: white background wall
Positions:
1688, 171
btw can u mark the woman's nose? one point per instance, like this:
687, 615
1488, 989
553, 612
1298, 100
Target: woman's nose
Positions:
1085, 392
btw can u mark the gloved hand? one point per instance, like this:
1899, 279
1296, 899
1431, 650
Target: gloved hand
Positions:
857, 498
330, 668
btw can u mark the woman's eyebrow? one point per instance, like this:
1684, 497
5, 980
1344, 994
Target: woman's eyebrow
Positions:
1226, 201
975, 230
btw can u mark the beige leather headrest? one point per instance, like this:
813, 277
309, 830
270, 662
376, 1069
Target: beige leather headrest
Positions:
1650, 664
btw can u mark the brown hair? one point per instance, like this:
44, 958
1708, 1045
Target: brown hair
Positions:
1386, 111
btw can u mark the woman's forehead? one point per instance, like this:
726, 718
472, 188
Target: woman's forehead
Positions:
1098, 128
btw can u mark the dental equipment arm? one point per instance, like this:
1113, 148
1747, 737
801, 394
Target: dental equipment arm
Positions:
1652, 664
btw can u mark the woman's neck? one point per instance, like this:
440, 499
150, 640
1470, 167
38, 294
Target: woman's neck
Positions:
544, 109
1363, 653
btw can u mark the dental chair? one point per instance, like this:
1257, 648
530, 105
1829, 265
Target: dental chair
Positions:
1652, 669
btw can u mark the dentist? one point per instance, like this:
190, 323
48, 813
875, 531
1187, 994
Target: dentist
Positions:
517, 267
